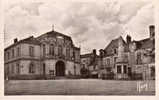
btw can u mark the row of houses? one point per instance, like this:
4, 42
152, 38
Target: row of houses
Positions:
122, 59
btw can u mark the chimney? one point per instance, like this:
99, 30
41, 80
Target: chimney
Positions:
101, 53
152, 31
94, 51
15, 40
128, 39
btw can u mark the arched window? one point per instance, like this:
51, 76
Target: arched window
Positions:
60, 50
51, 50
31, 68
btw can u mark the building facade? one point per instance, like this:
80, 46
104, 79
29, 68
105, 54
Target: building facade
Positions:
129, 59
114, 59
51, 53
142, 56
90, 62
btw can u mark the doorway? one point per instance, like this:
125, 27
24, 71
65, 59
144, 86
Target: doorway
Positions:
60, 68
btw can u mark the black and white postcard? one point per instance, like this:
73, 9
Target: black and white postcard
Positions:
79, 48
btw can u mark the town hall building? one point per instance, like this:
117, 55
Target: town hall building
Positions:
33, 58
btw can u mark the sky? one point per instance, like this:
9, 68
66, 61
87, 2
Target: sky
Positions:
91, 24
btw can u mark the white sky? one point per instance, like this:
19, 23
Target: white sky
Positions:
90, 24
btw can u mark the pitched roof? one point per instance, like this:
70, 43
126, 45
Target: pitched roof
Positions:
86, 55
145, 43
54, 33
32, 40
114, 44
29, 40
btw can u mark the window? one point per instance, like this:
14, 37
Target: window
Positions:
31, 51
94, 67
152, 71
115, 51
68, 52
17, 68
108, 69
51, 50
119, 69
18, 51
8, 55
115, 58
12, 53
125, 69
74, 70
108, 62
84, 61
44, 49
138, 58
12, 69
44, 68
74, 55
7, 69
31, 68
59, 50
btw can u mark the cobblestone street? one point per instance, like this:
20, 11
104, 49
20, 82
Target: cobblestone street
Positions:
76, 87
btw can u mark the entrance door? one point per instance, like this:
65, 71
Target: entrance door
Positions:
60, 68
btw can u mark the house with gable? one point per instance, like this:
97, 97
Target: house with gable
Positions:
115, 59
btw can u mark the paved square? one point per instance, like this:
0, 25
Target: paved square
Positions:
76, 87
